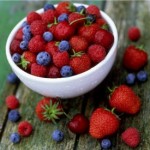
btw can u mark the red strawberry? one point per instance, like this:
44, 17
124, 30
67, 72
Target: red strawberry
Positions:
80, 62
36, 44
19, 35
97, 53
124, 99
134, 33
104, 38
65, 7
79, 124
88, 31
61, 59
54, 72
78, 43
131, 136
25, 128
134, 58
38, 70
12, 102
32, 16
103, 123
49, 109
101, 22
63, 31
38, 27
94, 10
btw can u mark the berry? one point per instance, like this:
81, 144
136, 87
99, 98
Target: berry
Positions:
66, 71
57, 135
54, 72
15, 47
24, 45
100, 121
134, 58
130, 78
101, 22
63, 17
79, 124
105, 143
97, 53
64, 46
24, 24
124, 100
43, 58
12, 102
25, 128
134, 33
142, 76
15, 138
19, 35
49, 109
90, 19
32, 16
48, 6
131, 136
16, 57
14, 115
26, 29
48, 36
81, 9
12, 78
27, 36
94, 10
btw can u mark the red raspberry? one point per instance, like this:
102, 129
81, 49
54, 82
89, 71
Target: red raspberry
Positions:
36, 44
54, 72
94, 10
97, 53
19, 35
38, 70
61, 59
12, 102
25, 128
32, 16
38, 27
134, 33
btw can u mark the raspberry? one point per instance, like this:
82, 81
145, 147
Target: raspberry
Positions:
19, 35
12, 102
32, 16
25, 128
54, 72
94, 10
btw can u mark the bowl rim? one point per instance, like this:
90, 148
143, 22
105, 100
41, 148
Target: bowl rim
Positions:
65, 79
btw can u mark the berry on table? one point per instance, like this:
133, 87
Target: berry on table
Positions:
63, 17
64, 46
142, 76
16, 57
48, 6
14, 115
57, 135
15, 138
105, 143
66, 71
130, 78
48, 36
12, 78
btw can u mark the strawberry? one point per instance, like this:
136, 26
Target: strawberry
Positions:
131, 136
103, 123
32, 16
101, 22
82, 43
80, 62
134, 58
97, 53
49, 109
54, 72
94, 10
63, 31
12, 102
134, 33
19, 35
79, 124
104, 38
124, 99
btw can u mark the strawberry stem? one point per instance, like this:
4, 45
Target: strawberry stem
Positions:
24, 62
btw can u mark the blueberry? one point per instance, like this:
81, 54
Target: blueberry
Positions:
64, 46
48, 6
57, 135
81, 9
142, 76
66, 71
130, 78
14, 115
27, 36
43, 58
105, 143
24, 23
26, 29
90, 18
24, 45
48, 36
63, 17
12, 78
16, 57
15, 138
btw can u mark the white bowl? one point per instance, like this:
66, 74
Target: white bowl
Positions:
71, 86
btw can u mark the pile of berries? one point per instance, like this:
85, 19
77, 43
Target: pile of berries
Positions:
62, 41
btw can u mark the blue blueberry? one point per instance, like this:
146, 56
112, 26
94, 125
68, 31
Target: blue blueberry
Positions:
63, 17
26, 29
12, 78
43, 58
16, 57
57, 135
64, 46
130, 78
24, 23
15, 138
14, 115
81, 9
24, 45
142, 76
90, 18
48, 6
48, 36
66, 71
105, 143
27, 36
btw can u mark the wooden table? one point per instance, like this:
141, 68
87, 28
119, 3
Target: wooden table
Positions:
124, 14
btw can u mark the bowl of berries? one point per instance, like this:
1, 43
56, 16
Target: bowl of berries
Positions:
63, 50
